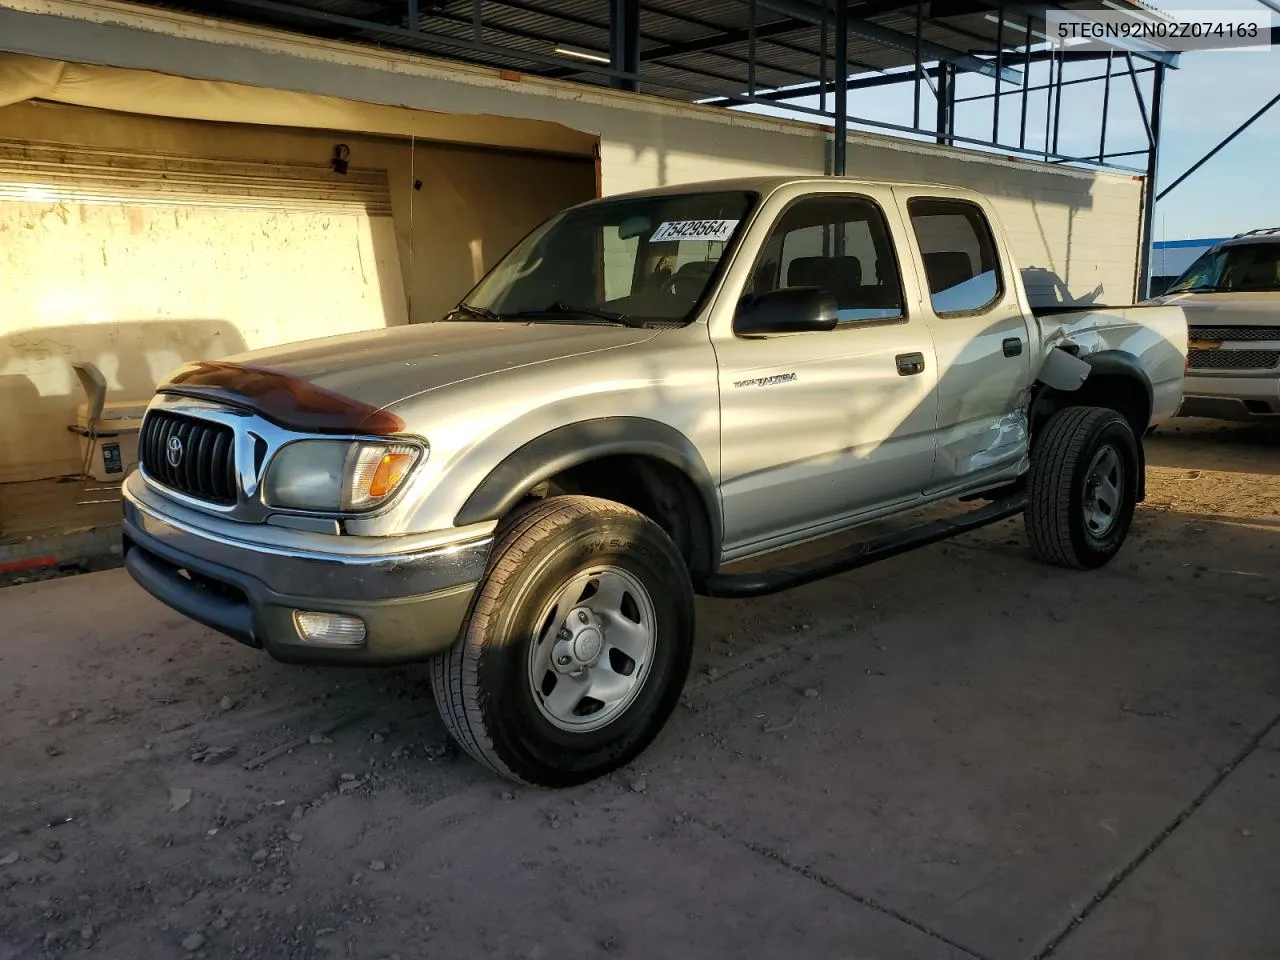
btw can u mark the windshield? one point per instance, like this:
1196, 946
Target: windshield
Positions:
1238, 268
648, 259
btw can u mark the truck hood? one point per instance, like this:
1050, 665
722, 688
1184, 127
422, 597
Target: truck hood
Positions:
342, 383
1227, 309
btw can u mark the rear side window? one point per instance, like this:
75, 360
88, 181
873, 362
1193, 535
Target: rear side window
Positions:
959, 255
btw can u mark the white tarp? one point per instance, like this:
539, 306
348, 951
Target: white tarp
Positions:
162, 95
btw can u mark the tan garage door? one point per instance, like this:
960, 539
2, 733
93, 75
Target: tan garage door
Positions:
139, 262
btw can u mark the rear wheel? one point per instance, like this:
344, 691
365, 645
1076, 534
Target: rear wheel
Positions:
577, 647
1083, 487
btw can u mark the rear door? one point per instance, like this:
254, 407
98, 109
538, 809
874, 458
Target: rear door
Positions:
969, 299
818, 426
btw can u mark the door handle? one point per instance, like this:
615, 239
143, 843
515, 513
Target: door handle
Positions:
909, 364
1013, 347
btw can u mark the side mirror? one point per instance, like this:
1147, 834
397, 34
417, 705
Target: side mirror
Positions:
789, 310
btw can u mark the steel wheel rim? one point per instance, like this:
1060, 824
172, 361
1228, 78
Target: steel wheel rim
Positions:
1103, 491
592, 649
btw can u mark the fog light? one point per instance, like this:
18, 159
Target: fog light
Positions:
330, 629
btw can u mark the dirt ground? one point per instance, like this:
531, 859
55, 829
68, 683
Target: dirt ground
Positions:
958, 753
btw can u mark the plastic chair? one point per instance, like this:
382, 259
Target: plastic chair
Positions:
94, 385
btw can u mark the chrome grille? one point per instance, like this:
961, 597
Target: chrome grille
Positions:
1220, 334
1232, 359
204, 451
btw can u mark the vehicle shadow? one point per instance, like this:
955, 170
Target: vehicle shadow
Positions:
1189, 443
1045, 288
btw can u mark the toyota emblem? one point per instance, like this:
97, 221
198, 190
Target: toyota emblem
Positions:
173, 451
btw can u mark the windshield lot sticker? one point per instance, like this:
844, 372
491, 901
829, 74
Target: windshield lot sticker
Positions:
711, 230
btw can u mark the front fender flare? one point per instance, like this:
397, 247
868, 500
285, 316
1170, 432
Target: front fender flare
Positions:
564, 447
1121, 364
1063, 370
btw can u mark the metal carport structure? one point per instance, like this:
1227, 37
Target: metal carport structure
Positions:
801, 56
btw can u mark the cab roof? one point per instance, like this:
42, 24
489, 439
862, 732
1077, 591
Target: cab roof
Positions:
1261, 235
767, 185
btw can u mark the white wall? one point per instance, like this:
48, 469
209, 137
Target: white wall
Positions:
1072, 230
1074, 234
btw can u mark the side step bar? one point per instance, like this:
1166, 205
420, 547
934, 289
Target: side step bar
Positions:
737, 585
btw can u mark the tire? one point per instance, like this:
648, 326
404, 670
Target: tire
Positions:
498, 688
1067, 519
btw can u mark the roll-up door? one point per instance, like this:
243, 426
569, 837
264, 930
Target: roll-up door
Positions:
138, 262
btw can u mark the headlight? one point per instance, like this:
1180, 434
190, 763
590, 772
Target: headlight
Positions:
337, 475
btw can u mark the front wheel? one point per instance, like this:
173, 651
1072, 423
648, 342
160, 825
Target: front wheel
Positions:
577, 647
1083, 487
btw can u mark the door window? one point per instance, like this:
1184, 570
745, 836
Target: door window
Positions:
959, 255
839, 243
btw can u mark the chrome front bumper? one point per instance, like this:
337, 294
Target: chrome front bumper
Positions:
411, 594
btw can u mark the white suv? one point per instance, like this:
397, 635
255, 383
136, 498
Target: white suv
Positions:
1231, 298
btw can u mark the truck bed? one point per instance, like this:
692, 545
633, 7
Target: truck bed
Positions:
1050, 310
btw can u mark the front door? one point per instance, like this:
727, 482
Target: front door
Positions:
819, 426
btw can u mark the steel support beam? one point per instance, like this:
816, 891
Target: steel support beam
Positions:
1026, 81
995, 104
1057, 103
1221, 143
840, 146
658, 8
822, 62
819, 89
764, 31
909, 76
918, 65
1048, 107
772, 30
1142, 104
811, 13
1100, 78
1149, 193
946, 104
1106, 107
624, 42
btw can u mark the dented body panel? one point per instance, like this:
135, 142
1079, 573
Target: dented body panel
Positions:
1154, 336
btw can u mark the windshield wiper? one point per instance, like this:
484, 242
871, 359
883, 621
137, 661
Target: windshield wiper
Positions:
480, 312
562, 309
1203, 288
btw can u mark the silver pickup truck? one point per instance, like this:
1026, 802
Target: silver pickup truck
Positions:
646, 390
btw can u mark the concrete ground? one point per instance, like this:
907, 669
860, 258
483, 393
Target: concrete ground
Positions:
955, 754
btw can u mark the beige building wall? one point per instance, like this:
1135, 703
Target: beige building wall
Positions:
138, 286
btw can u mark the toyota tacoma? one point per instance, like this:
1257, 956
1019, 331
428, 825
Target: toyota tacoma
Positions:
647, 390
